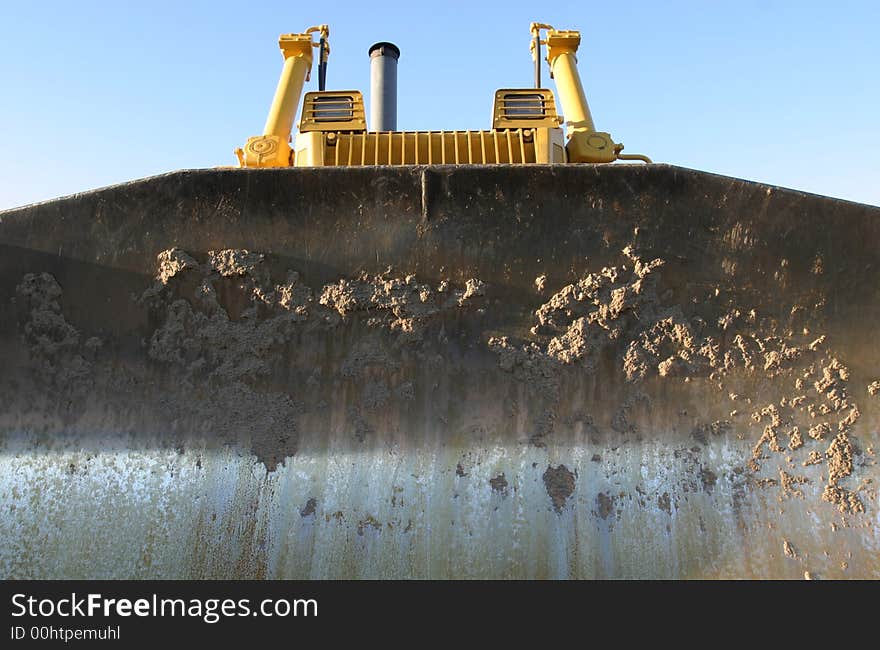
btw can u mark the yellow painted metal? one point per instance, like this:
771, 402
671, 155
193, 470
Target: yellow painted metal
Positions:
526, 126
525, 108
585, 143
510, 146
272, 148
264, 151
309, 149
562, 49
336, 110
297, 49
550, 146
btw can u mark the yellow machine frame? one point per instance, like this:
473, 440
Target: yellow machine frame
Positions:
526, 127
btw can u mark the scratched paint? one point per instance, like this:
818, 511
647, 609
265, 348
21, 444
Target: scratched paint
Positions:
145, 513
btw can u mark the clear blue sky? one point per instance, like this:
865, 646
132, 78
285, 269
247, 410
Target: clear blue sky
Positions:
784, 92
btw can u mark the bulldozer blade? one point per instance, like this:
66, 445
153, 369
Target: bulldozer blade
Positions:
440, 372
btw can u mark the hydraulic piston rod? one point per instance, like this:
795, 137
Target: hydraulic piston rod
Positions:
585, 144
272, 149
297, 50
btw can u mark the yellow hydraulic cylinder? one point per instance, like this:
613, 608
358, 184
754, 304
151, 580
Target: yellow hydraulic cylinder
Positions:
561, 50
297, 50
585, 143
272, 149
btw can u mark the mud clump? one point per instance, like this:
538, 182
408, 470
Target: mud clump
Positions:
499, 484
171, 263
232, 329
840, 461
528, 363
231, 262
840, 465
227, 333
540, 283
559, 483
823, 378
664, 502
790, 484
472, 288
708, 478
618, 312
584, 317
819, 431
603, 311
224, 324
604, 505
815, 458
668, 347
55, 346
309, 508
401, 304
846, 501
795, 439
221, 325
622, 314
367, 523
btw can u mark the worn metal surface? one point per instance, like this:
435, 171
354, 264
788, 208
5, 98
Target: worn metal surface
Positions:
561, 371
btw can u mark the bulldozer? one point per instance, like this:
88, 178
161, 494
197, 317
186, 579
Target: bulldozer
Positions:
526, 127
500, 353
